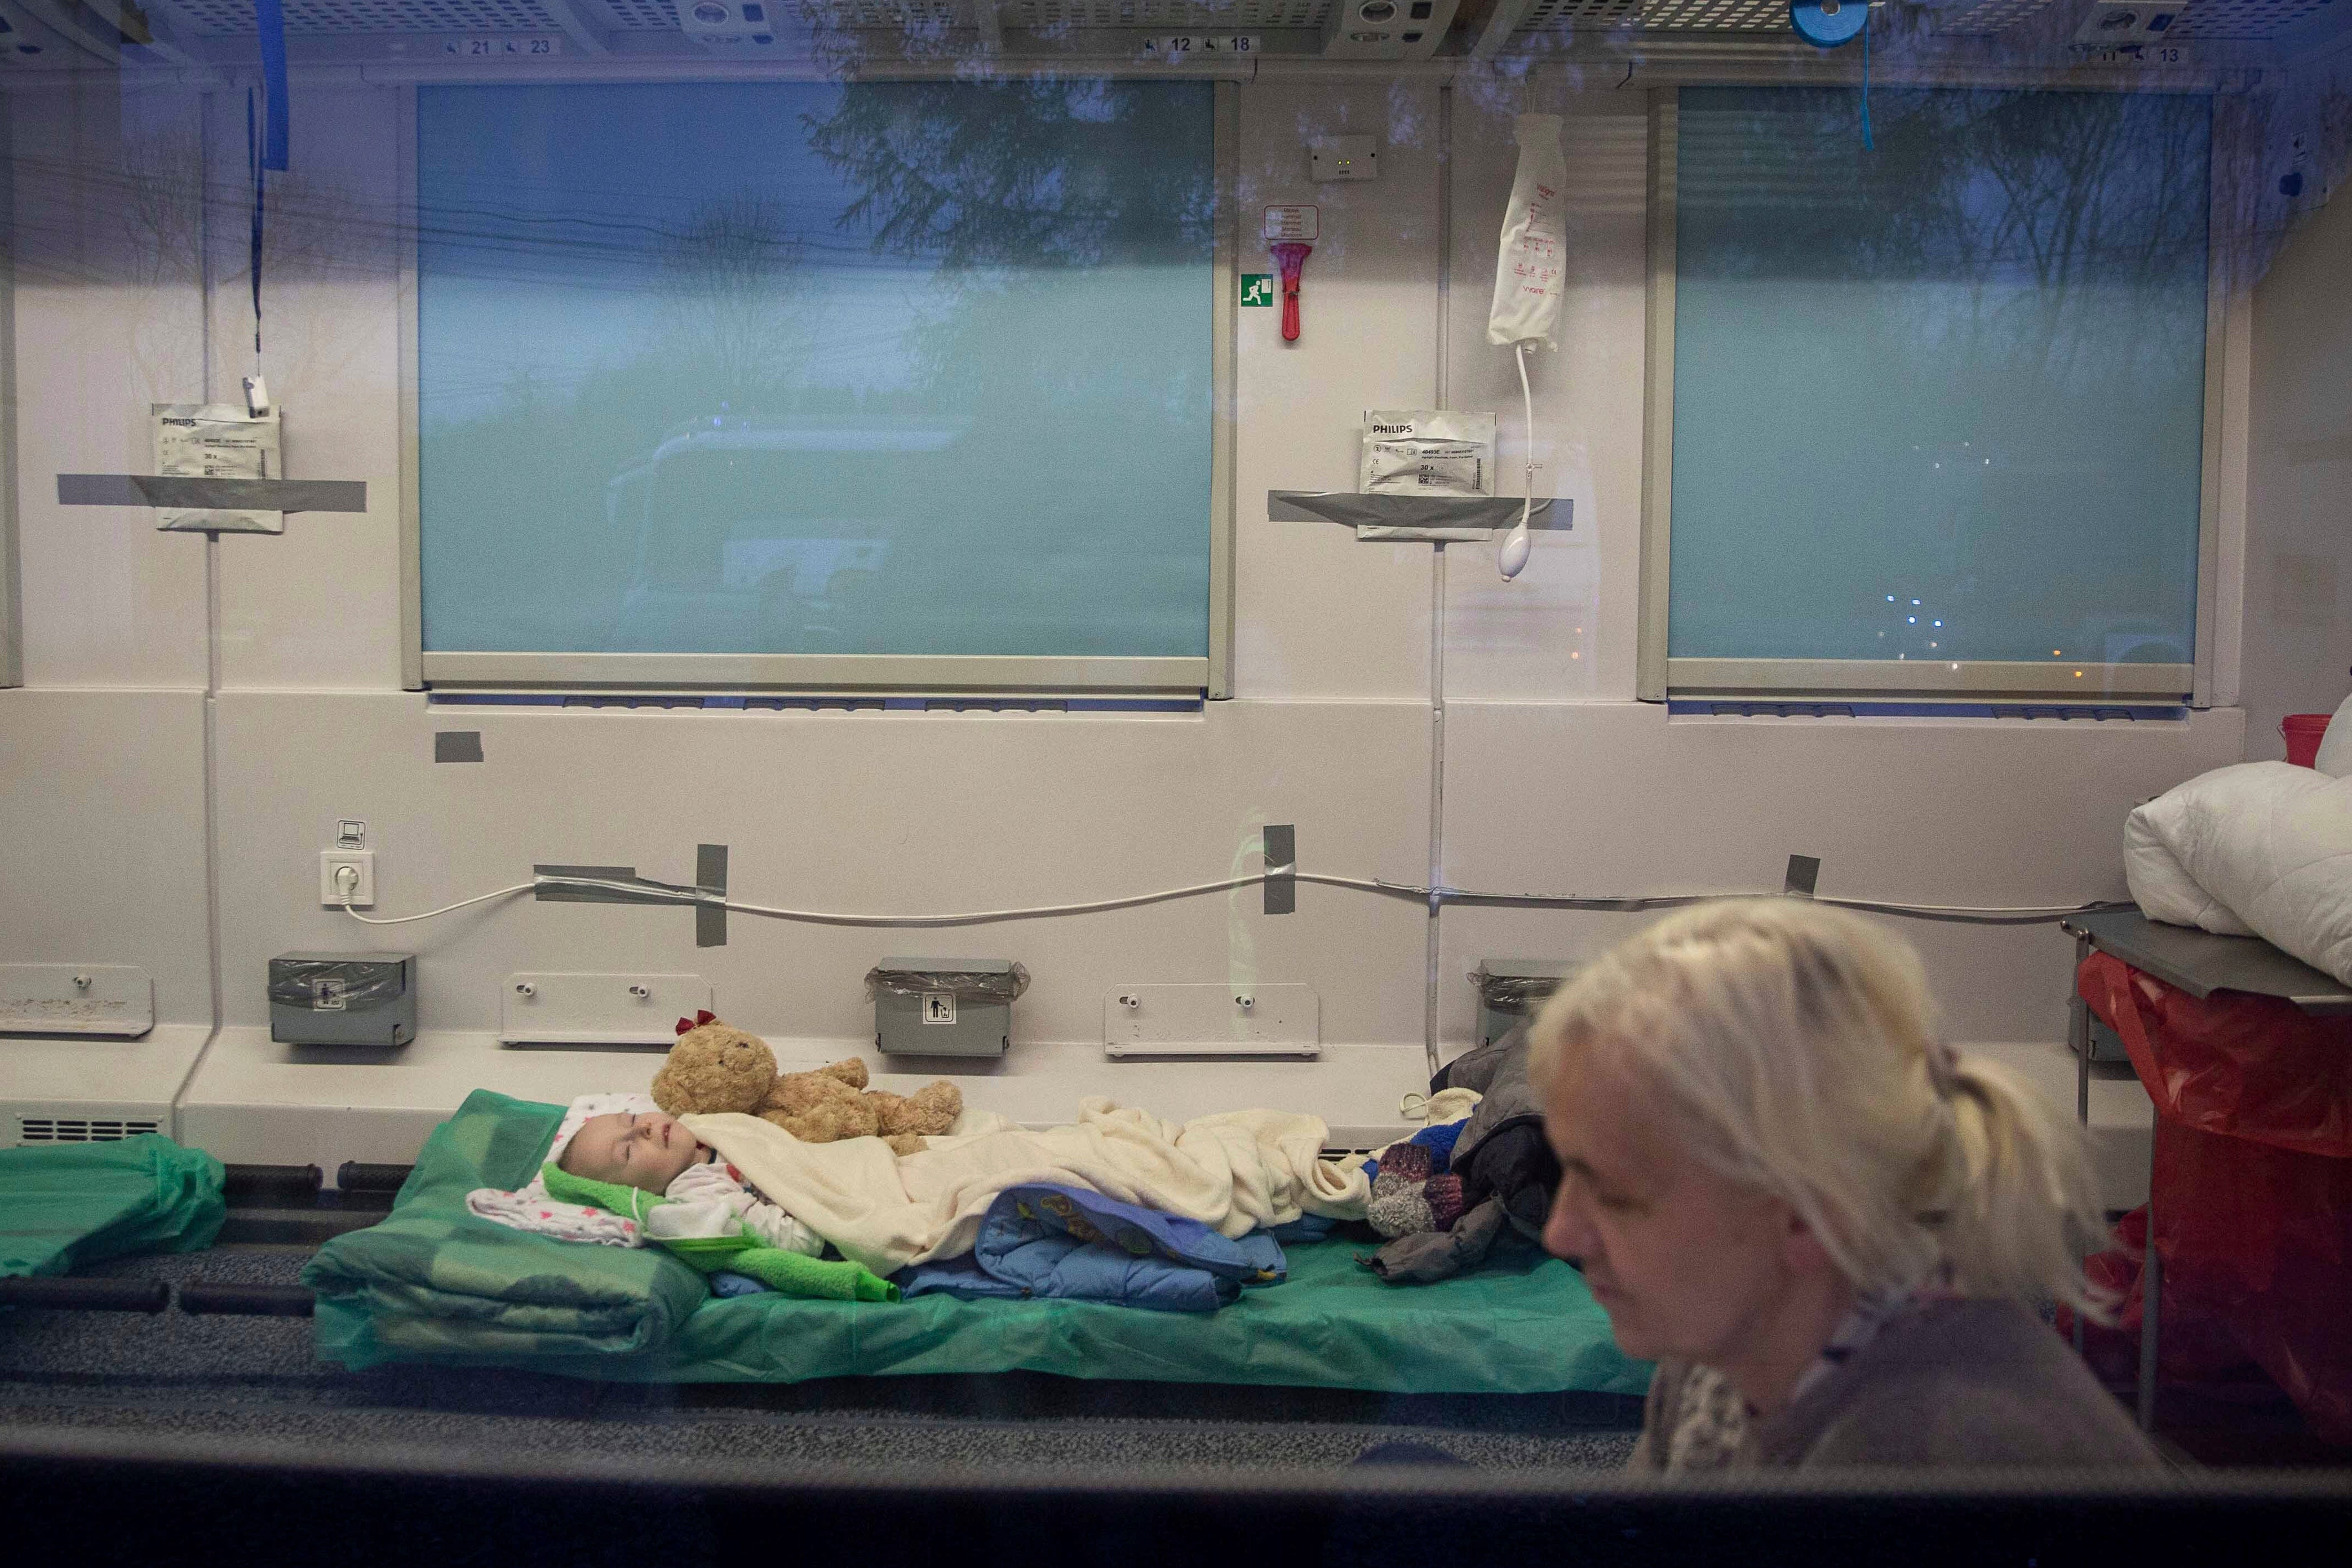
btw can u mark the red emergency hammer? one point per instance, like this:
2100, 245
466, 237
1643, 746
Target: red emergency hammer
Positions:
1291, 253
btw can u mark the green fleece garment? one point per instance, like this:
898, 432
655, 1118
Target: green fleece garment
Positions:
788, 1273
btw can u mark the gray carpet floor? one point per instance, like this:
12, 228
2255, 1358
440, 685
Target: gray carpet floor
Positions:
256, 1379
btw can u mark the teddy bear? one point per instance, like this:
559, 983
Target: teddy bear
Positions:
713, 1066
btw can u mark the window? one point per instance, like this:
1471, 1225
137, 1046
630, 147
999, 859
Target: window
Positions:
1929, 417
822, 387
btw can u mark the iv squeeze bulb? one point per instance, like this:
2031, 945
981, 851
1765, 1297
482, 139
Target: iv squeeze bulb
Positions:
1512, 559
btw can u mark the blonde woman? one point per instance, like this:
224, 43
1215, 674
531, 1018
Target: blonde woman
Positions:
1828, 1230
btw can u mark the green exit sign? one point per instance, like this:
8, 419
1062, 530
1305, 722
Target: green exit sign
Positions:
1258, 288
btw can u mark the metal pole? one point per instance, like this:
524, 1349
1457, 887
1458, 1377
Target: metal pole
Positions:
1430, 1021
2078, 1032
2078, 1037
2151, 1292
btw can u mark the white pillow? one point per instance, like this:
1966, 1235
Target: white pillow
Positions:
2263, 847
2334, 757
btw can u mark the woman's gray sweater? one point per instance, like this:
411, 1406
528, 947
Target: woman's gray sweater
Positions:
1956, 1382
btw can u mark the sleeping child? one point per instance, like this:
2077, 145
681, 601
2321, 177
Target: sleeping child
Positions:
652, 1151
624, 1140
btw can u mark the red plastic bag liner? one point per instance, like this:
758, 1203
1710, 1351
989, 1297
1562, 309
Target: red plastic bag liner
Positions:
2252, 1190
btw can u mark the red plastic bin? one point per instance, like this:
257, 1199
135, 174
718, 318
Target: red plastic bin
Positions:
2303, 734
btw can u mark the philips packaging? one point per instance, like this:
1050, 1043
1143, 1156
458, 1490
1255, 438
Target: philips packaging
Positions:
1427, 452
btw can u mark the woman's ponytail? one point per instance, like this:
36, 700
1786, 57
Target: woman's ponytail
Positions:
2021, 1206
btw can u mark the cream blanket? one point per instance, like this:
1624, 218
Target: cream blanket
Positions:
1237, 1171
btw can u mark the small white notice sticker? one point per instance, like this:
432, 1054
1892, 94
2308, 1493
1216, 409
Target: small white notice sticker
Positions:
938, 1007
1294, 223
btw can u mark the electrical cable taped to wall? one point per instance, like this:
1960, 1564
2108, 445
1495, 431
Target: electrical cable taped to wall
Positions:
1961, 914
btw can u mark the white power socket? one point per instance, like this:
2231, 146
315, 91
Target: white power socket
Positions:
347, 876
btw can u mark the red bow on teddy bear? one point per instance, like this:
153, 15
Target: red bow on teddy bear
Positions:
702, 1016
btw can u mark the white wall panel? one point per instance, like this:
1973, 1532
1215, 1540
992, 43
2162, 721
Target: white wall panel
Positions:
2298, 613
1614, 798
102, 836
1318, 614
860, 811
109, 319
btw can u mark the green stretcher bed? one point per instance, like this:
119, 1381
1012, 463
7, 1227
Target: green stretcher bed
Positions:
433, 1283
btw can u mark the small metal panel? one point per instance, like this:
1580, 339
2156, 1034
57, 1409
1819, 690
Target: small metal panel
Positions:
114, 1000
622, 1009
2200, 962
2107, 1046
1195, 1020
1512, 990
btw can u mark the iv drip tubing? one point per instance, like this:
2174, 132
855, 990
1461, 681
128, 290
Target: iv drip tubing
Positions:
1964, 914
1527, 401
1511, 556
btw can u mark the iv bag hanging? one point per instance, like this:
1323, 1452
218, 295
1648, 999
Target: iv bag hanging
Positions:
1528, 273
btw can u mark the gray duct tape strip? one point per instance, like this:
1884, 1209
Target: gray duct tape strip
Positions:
196, 492
710, 877
655, 894
1282, 849
1414, 517
361, 983
1804, 875
996, 985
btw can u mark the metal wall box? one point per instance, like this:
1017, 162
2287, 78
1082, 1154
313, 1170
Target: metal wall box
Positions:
945, 1006
343, 998
1511, 989
2107, 1046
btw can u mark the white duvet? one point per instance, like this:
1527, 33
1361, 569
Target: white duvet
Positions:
2254, 850
1236, 1171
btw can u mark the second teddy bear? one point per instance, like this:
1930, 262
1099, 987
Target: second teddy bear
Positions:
833, 1103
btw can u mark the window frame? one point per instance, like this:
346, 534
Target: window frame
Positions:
1659, 678
824, 675
12, 607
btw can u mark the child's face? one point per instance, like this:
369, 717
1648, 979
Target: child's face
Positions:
635, 1149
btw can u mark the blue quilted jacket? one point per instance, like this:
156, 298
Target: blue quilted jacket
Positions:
1067, 1242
